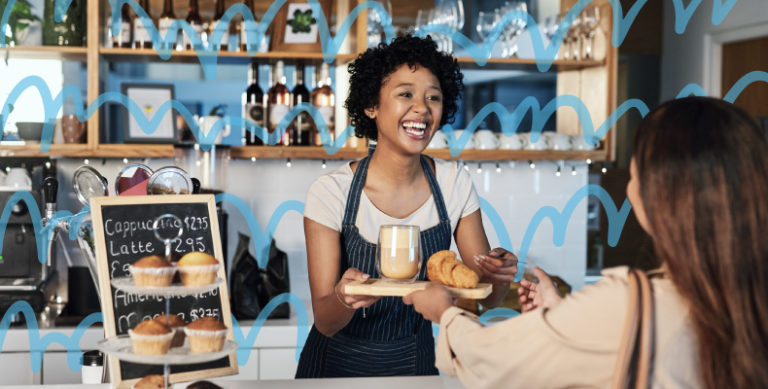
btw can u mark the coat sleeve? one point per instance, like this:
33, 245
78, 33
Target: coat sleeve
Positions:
574, 344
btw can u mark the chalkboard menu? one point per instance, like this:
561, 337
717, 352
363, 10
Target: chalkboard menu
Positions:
123, 231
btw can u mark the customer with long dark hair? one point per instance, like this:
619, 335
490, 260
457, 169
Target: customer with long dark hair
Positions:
699, 188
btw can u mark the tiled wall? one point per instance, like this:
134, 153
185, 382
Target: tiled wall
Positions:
516, 193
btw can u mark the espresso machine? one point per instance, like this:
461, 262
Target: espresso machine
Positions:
22, 276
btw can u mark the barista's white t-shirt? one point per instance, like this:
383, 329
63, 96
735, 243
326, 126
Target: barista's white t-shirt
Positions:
327, 200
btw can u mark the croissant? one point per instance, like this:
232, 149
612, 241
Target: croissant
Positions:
445, 269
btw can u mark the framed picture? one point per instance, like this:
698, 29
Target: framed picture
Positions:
295, 27
149, 98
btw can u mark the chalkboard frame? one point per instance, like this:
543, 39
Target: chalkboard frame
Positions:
102, 260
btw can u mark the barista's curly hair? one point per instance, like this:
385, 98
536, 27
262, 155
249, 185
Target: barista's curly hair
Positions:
371, 69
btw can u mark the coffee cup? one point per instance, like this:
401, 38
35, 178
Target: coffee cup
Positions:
18, 177
579, 143
398, 254
486, 140
541, 144
514, 142
439, 141
558, 141
206, 125
454, 144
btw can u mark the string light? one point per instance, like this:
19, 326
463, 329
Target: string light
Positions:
605, 170
573, 172
125, 160
558, 171
48, 165
465, 166
479, 167
498, 168
288, 163
532, 165
253, 159
87, 161
589, 161
8, 169
324, 165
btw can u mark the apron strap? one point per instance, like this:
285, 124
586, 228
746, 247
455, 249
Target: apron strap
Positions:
436, 192
355, 192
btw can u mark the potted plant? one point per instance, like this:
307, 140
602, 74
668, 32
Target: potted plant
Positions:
25, 27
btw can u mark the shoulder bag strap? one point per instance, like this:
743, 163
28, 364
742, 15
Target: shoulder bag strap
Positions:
639, 319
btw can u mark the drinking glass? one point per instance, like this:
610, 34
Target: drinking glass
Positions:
517, 27
398, 255
573, 49
485, 23
590, 21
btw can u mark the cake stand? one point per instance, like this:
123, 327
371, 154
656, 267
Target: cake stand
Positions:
120, 346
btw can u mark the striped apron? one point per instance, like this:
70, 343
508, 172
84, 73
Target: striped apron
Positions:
392, 339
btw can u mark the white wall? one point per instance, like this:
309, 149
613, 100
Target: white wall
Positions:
683, 60
516, 193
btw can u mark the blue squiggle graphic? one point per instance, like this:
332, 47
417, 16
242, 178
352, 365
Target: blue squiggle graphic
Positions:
497, 312
261, 241
42, 234
72, 344
52, 105
616, 218
246, 344
498, 225
509, 122
330, 46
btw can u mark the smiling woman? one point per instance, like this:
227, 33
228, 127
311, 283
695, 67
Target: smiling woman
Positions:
401, 94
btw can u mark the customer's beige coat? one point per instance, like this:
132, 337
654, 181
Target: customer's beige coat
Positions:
572, 345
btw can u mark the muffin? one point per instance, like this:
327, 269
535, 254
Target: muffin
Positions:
152, 271
177, 324
151, 338
203, 385
206, 335
198, 268
153, 381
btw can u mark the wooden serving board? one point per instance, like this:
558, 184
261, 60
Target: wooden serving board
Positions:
378, 287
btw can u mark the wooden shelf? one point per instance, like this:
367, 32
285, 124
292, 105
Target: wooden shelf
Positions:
525, 64
133, 151
68, 53
295, 152
33, 150
151, 55
298, 152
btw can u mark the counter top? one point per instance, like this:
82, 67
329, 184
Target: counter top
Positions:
277, 333
432, 382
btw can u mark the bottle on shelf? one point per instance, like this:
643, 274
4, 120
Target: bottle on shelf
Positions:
279, 98
250, 27
123, 39
254, 105
141, 39
302, 125
193, 18
225, 40
164, 24
323, 98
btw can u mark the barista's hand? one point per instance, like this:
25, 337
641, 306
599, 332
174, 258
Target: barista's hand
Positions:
431, 302
354, 301
498, 267
544, 294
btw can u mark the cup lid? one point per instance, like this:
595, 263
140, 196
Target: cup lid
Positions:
92, 358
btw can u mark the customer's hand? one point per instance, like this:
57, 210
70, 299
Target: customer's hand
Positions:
544, 294
431, 302
498, 267
354, 301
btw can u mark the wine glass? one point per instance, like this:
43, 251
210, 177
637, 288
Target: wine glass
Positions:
590, 22
518, 26
398, 255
